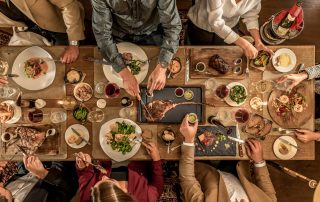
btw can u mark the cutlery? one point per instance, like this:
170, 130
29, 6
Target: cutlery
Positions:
289, 143
176, 147
144, 106
98, 167
11, 75
236, 140
283, 130
78, 134
22, 149
247, 69
101, 61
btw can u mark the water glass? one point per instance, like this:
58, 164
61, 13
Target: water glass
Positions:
58, 117
264, 86
127, 112
96, 115
99, 88
6, 91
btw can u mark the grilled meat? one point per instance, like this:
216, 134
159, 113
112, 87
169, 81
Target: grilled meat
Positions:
218, 64
31, 139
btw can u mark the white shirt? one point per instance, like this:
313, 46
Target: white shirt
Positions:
219, 16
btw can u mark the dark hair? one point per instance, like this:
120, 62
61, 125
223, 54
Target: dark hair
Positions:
109, 192
3, 199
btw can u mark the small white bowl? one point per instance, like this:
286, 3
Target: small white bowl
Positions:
76, 89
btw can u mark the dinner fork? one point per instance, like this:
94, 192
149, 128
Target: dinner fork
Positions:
287, 131
97, 166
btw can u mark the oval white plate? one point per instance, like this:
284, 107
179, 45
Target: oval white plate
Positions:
76, 88
115, 155
28, 83
229, 101
292, 56
82, 130
16, 112
137, 54
292, 150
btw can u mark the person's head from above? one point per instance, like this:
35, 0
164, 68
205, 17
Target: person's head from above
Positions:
110, 190
5, 195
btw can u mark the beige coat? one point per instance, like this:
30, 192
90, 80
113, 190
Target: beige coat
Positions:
201, 182
64, 16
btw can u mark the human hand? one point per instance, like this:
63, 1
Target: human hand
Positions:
260, 46
249, 50
307, 135
35, 166
254, 150
6, 194
3, 80
294, 78
188, 131
70, 54
157, 79
130, 83
152, 150
80, 161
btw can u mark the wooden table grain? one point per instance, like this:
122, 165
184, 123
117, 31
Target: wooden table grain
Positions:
305, 54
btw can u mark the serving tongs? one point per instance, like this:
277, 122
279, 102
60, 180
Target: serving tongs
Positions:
97, 166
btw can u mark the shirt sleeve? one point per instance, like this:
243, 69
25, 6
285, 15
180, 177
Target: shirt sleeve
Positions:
73, 17
171, 23
313, 72
263, 181
191, 187
102, 29
251, 17
156, 184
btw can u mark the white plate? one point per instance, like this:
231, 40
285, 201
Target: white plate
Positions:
76, 88
115, 155
16, 112
292, 150
82, 130
137, 54
292, 56
229, 101
28, 83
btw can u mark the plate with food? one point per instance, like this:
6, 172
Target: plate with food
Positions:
73, 76
83, 92
261, 61
257, 126
120, 138
213, 141
35, 68
174, 67
285, 147
237, 94
284, 60
80, 113
291, 109
10, 112
136, 60
73, 139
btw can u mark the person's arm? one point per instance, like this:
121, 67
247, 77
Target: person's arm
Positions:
250, 19
73, 18
171, 23
313, 72
263, 181
102, 29
156, 184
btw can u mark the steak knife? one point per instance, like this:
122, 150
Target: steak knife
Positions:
236, 139
82, 138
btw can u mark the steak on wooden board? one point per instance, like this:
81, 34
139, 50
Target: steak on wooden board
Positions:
31, 139
217, 63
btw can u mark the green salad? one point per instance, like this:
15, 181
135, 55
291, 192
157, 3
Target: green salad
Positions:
80, 113
121, 136
238, 94
135, 66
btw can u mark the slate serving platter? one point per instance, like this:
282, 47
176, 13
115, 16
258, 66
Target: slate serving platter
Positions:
177, 114
220, 149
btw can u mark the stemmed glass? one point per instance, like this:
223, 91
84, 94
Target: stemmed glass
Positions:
96, 115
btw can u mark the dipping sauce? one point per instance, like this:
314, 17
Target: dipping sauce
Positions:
126, 102
200, 66
188, 94
179, 92
192, 118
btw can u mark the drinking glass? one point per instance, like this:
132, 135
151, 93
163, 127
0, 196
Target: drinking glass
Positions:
68, 103
58, 117
211, 84
241, 115
264, 86
112, 90
127, 112
99, 88
7, 91
221, 92
96, 115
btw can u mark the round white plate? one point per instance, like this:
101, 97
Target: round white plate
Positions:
229, 101
29, 83
76, 88
292, 150
16, 112
292, 57
137, 54
115, 155
82, 130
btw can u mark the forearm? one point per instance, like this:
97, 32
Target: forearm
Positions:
256, 35
171, 23
102, 29
157, 176
263, 181
313, 72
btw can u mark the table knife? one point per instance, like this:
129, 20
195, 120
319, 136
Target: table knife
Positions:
11, 75
289, 143
236, 139
78, 134
22, 149
144, 106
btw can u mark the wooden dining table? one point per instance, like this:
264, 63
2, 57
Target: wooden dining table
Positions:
304, 54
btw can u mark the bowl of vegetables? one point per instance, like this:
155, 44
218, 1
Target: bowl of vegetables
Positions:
238, 94
80, 113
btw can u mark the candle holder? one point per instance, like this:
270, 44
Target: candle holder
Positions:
68, 103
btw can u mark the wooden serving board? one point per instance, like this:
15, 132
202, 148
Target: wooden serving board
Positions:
297, 119
227, 53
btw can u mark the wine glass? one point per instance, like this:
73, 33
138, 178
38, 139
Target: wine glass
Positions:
241, 115
96, 115
58, 117
112, 90
264, 86
221, 92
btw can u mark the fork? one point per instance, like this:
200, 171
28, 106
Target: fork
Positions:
99, 167
247, 69
283, 130
176, 147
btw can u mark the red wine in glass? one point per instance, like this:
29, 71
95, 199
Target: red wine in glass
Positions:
222, 91
242, 116
112, 90
36, 116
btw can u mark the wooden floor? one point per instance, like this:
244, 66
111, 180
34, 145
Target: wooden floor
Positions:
288, 188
